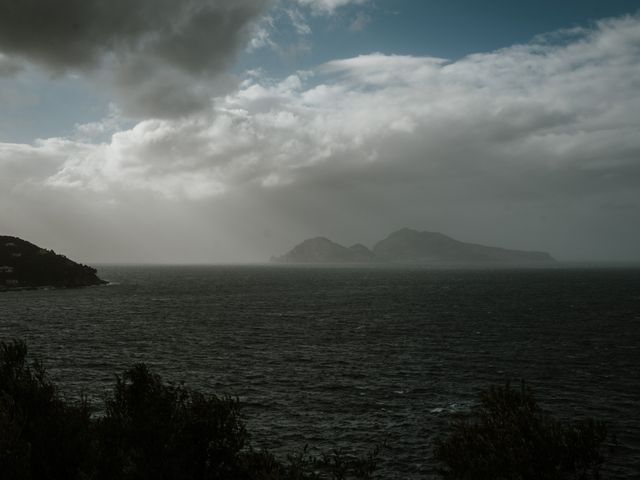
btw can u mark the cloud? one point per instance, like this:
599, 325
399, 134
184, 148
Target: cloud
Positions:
329, 6
158, 46
286, 31
539, 137
360, 22
287, 27
261, 34
298, 21
8, 66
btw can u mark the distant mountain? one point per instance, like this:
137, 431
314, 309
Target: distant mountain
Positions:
361, 253
25, 265
323, 250
408, 246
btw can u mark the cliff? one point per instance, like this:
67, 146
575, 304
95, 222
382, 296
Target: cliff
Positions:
25, 265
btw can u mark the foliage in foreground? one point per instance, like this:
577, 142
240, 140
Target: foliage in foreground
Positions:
159, 431
509, 437
150, 430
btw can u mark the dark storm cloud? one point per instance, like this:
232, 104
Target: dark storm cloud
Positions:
194, 35
193, 39
8, 67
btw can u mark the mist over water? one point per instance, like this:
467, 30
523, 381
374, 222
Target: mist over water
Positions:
353, 357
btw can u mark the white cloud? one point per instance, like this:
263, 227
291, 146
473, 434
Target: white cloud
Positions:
543, 98
298, 21
329, 6
535, 129
261, 34
360, 22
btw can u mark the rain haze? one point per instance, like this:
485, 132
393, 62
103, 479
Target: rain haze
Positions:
221, 131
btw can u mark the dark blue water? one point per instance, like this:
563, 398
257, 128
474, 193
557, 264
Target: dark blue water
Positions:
353, 357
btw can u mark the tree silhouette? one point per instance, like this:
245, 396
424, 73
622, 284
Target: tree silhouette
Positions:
509, 437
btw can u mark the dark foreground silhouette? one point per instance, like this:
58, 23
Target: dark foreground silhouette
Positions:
149, 430
154, 430
508, 436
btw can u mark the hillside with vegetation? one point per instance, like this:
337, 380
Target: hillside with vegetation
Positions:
25, 265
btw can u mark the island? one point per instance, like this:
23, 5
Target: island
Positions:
409, 246
323, 250
24, 265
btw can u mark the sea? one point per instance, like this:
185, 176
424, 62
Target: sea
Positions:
353, 358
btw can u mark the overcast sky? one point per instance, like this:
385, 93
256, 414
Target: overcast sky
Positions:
207, 131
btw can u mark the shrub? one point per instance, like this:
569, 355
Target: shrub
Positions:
154, 430
41, 436
508, 437
149, 430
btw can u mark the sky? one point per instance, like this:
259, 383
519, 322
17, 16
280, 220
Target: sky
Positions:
224, 131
